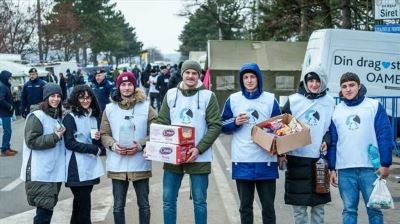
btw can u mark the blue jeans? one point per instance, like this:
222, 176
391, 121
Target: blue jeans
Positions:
172, 183
301, 214
120, 189
352, 181
43, 216
6, 133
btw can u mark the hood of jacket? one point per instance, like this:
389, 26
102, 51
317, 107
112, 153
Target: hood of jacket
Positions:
322, 77
253, 68
5, 77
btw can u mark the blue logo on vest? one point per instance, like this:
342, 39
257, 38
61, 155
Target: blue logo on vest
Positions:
186, 115
312, 117
252, 115
353, 122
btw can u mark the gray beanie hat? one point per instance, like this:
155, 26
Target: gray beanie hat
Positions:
50, 89
190, 64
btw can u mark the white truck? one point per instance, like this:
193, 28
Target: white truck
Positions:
373, 56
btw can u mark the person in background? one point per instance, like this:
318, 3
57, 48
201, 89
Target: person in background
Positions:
252, 167
314, 107
125, 162
176, 77
101, 89
191, 105
162, 82
136, 71
6, 113
70, 82
63, 85
358, 122
43, 159
32, 92
153, 92
84, 166
145, 78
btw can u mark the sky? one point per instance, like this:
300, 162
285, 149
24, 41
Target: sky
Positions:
156, 22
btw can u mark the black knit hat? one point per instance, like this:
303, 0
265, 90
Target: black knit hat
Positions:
311, 76
349, 76
50, 89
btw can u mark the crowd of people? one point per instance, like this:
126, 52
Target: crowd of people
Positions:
63, 141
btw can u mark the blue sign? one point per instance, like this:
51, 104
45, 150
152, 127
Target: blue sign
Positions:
389, 28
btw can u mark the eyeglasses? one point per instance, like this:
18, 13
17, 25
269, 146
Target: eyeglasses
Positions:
87, 98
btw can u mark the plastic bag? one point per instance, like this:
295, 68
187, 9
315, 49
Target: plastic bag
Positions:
380, 197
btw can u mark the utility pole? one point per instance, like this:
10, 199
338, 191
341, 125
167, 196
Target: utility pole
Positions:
39, 32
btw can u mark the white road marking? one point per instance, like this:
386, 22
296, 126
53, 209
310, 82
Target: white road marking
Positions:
12, 185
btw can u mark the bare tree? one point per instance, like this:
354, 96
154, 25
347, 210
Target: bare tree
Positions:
346, 14
16, 27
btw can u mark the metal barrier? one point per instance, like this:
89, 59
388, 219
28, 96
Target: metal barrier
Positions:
390, 103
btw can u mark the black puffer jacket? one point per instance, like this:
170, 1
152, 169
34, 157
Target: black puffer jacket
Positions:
300, 185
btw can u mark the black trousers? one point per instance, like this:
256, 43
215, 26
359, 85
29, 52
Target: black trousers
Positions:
266, 192
81, 206
43, 216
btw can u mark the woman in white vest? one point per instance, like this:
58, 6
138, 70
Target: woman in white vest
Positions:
43, 161
82, 141
252, 167
314, 107
124, 131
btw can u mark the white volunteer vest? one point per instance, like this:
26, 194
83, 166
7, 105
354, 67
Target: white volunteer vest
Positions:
191, 111
89, 166
47, 165
356, 131
260, 109
317, 115
116, 115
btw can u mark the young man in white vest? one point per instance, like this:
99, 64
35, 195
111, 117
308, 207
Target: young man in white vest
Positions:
313, 106
190, 104
252, 167
357, 123
126, 164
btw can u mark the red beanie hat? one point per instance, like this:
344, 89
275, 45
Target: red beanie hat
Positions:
126, 77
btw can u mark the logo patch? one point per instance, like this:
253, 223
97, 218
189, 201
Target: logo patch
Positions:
353, 122
312, 117
186, 115
252, 116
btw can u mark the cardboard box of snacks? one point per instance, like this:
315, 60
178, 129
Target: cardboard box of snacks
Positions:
167, 153
282, 142
179, 135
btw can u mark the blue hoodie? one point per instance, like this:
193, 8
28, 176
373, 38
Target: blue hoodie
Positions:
6, 100
249, 170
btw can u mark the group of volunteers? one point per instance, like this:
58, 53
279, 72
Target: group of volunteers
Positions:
64, 146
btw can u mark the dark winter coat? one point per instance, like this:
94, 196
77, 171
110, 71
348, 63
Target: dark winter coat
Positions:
162, 85
75, 146
32, 93
300, 183
6, 100
174, 80
70, 80
63, 85
102, 92
144, 78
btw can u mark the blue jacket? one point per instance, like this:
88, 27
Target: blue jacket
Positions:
6, 100
383, 131
252, 171
32, 93
102, 92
